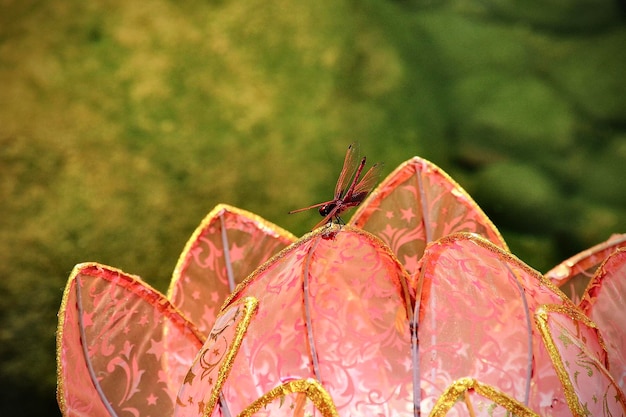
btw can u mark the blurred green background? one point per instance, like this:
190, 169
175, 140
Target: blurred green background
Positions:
123, 123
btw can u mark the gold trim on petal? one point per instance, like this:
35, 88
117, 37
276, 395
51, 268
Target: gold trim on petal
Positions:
128, 282
260, 269
463, 385
250, 306
508, 256
421, 165
584, 260
541, 318
310, 387
217, 210
321, 233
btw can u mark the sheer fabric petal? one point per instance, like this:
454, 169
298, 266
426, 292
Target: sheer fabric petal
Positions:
419, 203
228, 245
416, 304
200, 392
573, 275
122, 348
331, 309
476, 304
603, 303
579, 357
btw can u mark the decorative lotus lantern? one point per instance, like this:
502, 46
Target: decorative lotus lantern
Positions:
415, 307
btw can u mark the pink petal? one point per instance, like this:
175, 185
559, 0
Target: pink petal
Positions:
476, 304
579, 358
122, 348
572, 276
419, 203
200, 393
603, 302
332, 309
227, 246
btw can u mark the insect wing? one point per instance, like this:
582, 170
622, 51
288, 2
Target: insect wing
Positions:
350, 165
368, 181
310, 207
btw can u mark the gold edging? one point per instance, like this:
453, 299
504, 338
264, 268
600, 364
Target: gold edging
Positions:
166, 309
250, 307
78, 268
508, 256
59, 340
261, 268
319, 233
541, 318
450, 396
588, 300
415, 161
310, 387
213, 214
582, 258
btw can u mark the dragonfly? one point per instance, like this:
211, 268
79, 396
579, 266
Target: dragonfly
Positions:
350, 190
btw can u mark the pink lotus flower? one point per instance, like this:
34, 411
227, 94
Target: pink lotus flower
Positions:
415, 307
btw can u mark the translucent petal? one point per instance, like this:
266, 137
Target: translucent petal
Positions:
476, 304
603, 302
122, 348
200, 393
419, 203
579, 357
332, 307
573, 275
227, 246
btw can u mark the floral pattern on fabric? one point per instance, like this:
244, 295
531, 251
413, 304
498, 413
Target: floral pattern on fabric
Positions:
227, 246
123, 349
415, 307
418, 204
580, 359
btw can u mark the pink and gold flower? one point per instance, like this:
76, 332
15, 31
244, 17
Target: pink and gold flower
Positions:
415, 307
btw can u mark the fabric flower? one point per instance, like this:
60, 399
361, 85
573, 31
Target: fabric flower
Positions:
415, 307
